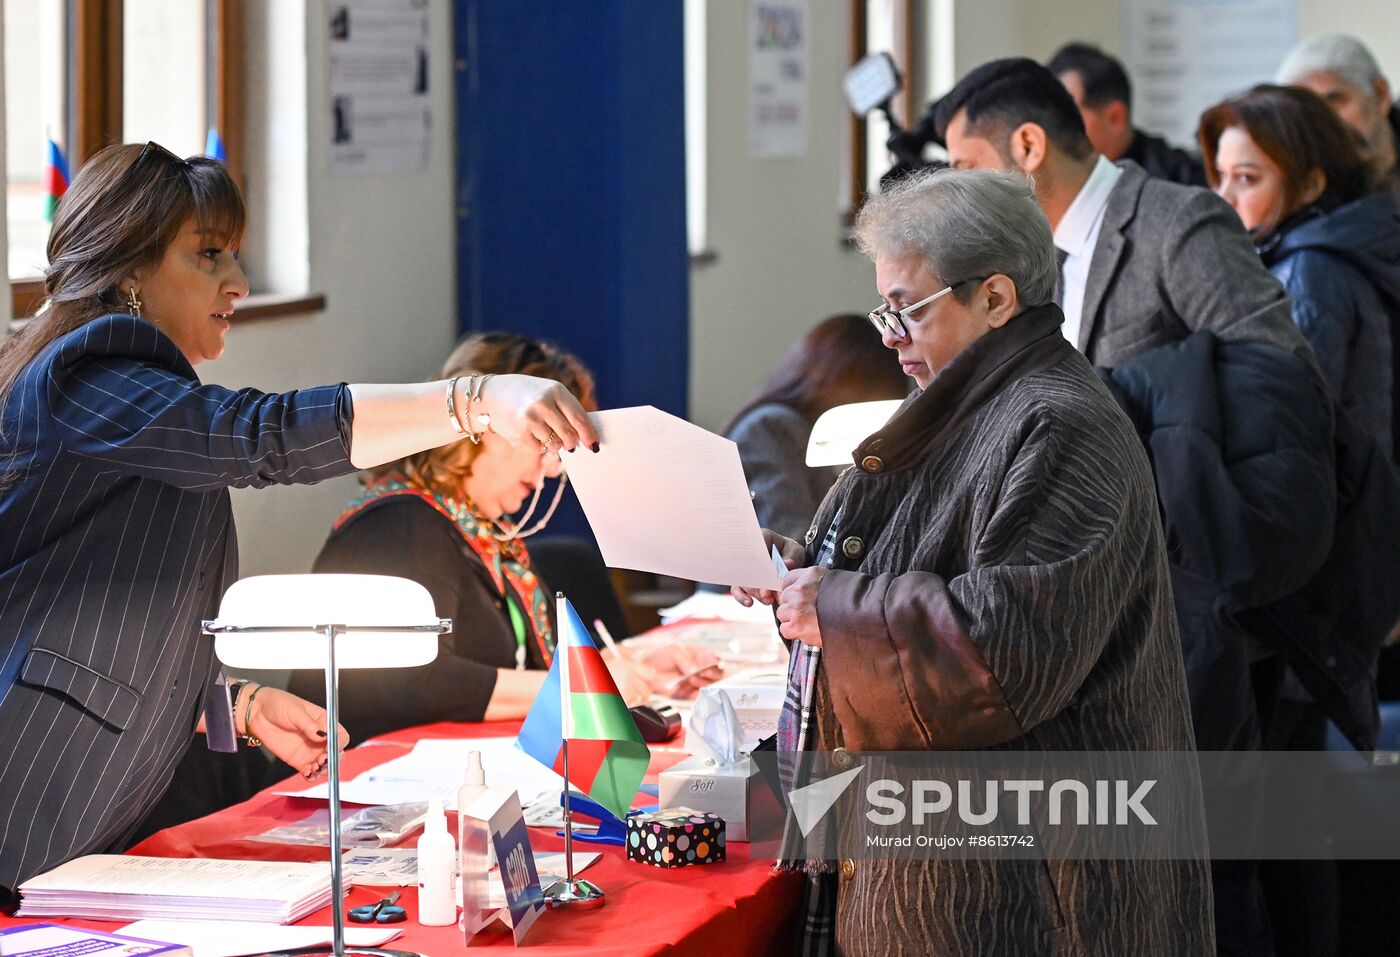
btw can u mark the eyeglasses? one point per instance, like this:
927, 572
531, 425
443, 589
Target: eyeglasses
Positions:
885, 319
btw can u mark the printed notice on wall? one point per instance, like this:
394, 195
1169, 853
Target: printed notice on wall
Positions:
1187, 55
778, 78
381, 118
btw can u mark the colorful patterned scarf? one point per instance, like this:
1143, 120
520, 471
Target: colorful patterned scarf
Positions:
506, 562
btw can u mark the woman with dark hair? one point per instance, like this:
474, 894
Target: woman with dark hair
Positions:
443, 519
116, 533
836, 362
1296, 176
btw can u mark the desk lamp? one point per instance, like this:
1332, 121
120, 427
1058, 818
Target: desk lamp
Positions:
330, 622
839, 430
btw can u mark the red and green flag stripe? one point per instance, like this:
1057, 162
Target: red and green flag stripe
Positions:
607, 756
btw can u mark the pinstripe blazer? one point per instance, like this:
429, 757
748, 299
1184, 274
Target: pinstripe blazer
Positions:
116, 539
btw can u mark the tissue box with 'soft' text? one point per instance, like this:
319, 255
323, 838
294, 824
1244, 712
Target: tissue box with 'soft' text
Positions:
728, 790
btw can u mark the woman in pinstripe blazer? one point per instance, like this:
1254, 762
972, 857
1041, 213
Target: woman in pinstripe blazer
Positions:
116, 537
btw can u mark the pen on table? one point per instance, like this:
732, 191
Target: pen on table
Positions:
607, 637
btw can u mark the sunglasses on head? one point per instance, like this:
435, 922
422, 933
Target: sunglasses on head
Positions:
154, 152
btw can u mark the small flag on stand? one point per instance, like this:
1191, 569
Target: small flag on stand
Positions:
214, 146
55, 178
580, 701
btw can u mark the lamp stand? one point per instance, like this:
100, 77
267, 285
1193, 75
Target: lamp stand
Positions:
573, 893
337, 948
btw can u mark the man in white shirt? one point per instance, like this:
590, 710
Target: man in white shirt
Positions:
1145, 262
1075, 236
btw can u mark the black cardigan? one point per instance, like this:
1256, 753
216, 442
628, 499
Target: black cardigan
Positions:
406, 536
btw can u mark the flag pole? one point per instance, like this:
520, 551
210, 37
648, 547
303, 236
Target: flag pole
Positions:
569, 892
566, 731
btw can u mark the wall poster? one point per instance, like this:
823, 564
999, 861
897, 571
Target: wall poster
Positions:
381, 118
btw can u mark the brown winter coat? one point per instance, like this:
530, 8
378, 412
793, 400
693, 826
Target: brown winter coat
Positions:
1000, 581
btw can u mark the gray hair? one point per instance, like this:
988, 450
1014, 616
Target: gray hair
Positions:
965, 223
1331, 53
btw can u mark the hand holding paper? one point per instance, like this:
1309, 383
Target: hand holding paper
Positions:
785, 554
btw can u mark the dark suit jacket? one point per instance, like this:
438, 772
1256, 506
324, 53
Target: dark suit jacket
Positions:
1172, 260
116, 539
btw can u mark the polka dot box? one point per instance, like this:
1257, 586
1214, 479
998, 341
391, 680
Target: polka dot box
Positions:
675, 837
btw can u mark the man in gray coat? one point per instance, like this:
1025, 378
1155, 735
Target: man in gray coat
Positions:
1143, 262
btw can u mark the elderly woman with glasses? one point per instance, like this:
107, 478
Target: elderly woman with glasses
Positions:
990, 574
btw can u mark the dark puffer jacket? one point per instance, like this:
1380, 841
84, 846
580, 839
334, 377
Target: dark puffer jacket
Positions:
1342, 270
1242, 450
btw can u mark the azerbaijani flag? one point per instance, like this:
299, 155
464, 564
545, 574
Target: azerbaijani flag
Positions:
55, 178
580, 701
214, 146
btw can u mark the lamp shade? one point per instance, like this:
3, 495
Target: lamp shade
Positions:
839, 430
281, 621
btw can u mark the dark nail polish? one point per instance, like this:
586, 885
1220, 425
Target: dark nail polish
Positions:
320, 734
594, 446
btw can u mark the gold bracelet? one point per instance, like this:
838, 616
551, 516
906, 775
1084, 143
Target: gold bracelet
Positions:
248, 737
452, 405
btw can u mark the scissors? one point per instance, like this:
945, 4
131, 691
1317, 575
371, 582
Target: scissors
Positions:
385, 911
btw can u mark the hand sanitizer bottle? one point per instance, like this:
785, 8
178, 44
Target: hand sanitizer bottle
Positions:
437, 901
473, 785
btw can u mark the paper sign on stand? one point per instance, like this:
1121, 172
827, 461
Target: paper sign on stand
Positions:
495, 817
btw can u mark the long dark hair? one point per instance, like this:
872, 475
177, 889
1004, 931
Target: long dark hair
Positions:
121, 212
839, 360
1296, 129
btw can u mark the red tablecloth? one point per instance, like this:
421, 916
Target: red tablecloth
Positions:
735, 908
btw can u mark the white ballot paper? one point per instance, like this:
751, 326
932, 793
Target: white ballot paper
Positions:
434, 768
668, 497
231, 938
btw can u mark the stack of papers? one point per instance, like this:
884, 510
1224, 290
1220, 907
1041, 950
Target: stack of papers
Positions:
235, 939
120, 887
435, 768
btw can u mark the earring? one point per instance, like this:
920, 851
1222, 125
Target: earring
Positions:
133, 302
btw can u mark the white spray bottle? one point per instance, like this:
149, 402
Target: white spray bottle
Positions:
473, 786
437, 852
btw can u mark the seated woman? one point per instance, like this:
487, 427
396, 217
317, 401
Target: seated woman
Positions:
992, 574
1301, 185
836, 362
442, 518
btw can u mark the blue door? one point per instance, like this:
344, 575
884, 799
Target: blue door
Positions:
571, 185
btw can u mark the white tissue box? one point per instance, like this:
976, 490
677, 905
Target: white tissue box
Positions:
727, 790
757, 696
